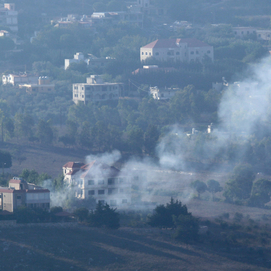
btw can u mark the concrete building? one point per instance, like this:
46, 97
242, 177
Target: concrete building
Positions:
72, 20
9, 17
43, 84
163, 94
69, 171
99, 181
95, 90
184, 50
261, 34
91, 61
17, 79
131, 17
20, 193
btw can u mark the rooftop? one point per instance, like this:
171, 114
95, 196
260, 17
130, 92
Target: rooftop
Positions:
174, 43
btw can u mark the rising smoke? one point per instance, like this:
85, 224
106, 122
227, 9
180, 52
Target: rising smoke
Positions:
242, 106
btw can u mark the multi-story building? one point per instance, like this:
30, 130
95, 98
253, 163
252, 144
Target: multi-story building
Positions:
9, 17
20, 193
17, 79
95, 90
99, 181
184, 50
260, 34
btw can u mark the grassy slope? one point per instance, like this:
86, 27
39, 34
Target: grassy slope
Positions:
38, 248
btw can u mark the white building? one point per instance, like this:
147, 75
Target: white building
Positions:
99, 181
163, 94
91, 61
184, 50
261, 34
95, 90
9, 17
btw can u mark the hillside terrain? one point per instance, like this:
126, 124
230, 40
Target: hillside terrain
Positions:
48, 248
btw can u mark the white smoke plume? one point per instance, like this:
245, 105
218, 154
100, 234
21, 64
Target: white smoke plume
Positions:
242, 105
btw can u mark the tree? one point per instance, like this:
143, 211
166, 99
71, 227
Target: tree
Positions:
81, 214
23, 125
240, 185
163, 214
103, 215
260, 194
45, 132
187, 228
5, 159
135, 139
84, 137
199, 186
30, 176
150, 139
214, 187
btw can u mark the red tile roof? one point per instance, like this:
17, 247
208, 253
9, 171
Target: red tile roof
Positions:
73, 165
95, 168
16, 181
172, 43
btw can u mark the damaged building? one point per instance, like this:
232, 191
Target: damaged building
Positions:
99, 181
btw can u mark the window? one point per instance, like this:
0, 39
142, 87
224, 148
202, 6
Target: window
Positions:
83, 96
235, 32
149, 53
177, 53
75, 87
142, 53
18, 197
197, 52
208, 52
101, 201
111, 181
157, 54
91, 192
112, 191
146, 53
90, 182
100, 181
100, 192
82, 88
242, 32
104, 88
121, 190
192, 52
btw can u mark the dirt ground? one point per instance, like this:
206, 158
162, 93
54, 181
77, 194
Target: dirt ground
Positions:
82, 248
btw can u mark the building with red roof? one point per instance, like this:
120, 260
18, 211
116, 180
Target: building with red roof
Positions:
184, 50
100, 181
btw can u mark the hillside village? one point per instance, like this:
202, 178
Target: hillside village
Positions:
147, 116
